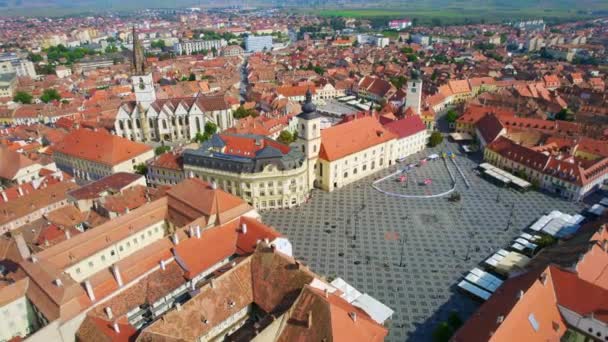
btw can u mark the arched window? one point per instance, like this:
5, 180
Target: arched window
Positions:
121, 124
137, 124
164, 124
198, 124
151, 122
129, 124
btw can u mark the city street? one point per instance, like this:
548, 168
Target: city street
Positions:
410, 253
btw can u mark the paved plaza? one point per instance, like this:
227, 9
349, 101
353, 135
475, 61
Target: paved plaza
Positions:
410, 253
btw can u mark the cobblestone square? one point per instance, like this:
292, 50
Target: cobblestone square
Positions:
409, 253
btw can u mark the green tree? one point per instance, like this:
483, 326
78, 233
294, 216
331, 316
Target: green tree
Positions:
158, 44
241, 112
34, 57
398, 81
565, 115
49, 95
442, 332
286, 137
210, 130
111, 49
23, 97
161, 149
451, 116
192, 77
141, 168
435, 139
412, 58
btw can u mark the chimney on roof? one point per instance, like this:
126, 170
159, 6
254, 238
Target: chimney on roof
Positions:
117, 276
353, 316
520, 294
500, 319
191, 231
192, 286
309, 320
211, 283
89, 288
175, 239
58, 282
266, 241
20, 191
108, 311
244, 228
34, 259
116, 327
178, 306
163, 265
543, 278
197, 231
4, 197
326, 293
605, 245
68, 235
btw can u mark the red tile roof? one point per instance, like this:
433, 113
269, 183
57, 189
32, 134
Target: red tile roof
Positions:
344, 139
100, 147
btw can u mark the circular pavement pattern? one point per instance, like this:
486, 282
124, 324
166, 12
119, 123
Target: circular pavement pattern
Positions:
410, 253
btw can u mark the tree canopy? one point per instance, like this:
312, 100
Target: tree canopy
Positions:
23, 97
49, 95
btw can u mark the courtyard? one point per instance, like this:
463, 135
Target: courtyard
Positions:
410, 253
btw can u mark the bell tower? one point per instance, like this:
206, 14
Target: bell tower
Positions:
413, 96
309, 135
141, 79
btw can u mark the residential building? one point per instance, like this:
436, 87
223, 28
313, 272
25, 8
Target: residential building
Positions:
266, 173
114, 269
258, 43
84, 197
375, 89
256, 289
8, 82
32, 206
412, 135
11, 63
566, 175
399, 24
232, 50
189, 47
561, 298
376, 40
166, 169
16, 168
91, 155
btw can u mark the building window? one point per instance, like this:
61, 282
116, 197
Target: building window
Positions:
345, 174
103, 258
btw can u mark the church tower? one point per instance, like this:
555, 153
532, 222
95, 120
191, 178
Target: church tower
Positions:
309, 135
143, 85
413, 96
141, 79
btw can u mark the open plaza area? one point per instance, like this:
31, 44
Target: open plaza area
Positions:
410, 253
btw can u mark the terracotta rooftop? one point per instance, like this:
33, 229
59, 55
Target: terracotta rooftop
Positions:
344, 139
111, 184
100, 147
